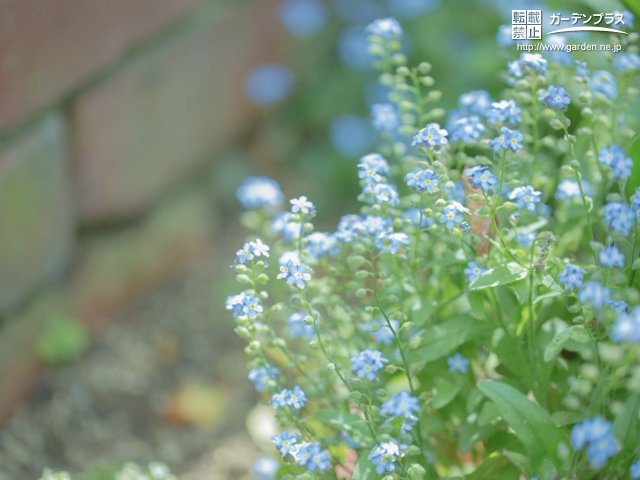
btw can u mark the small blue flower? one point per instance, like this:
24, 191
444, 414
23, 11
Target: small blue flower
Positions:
402, 405
569, 189
458, 363
555, 97
279, 400
619, 305
303, 206
634, 471
626, 62
390, 242
594, 293
385, 455
380, 331
618, 217
431, 137
259, 192
422, 180
507, 140
611, 257
604, 82
303, 18
571, 276
269, 84
527, 64
385, 28
251, 307
614, 158
525, 197
384, 117
261, 377
627, 18
295, 273
298, 328
452, 215
312, 457
383, 193
321, 244
505, 111
635, 204
294, 398
413, 216
473, 271
264, 468
481, 177
526, 238
627, 327
367, 363
286, 442
475, 103
351, 135
373, 169
466, 129
597, 435
581, 69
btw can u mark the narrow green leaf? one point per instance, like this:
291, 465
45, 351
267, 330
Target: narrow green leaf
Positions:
625, 426
530, 423
445, 391
364, 469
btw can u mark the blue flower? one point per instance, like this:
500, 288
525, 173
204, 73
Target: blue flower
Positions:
571, 276
627, 327
475, 103
312, 457
569, 189
614, 158
259, 192
422, 180
581, 69
526, 238
594, 293
503, 37
458, 363
390, 242
555, 97
525, 197
611, 257
413, 216
385, 28
269, 84
320, 244
298, 328
373, 169
286, 442
452, 215
402, 405
635, 204
627, 18
384, 117
481, 177
353, 49
634, 471
383, 193
619, 305
618, 217
249, 308
303, 18
597, 435
507, 140
473, 271
262, 376
380, 331
303, 206
367, 363
294, 398
626, 62
604, 82
250, 250
264, 468
466, 129
295, 273
385, 455
527, 64
431, 137
505, 111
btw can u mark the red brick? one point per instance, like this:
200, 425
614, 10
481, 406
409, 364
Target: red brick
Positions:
48, 46
36, 219
160, 117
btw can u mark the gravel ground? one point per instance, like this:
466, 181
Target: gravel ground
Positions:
165, 381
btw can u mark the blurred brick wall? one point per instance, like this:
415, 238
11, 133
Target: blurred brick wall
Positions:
105, 106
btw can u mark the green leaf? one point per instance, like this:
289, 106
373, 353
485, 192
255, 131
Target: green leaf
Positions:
364, 469
563, 418
576, 333
625, 426
445, 391
500, 275
440, 340
633, 152
492, 468
519, 460
346, 422
531, 424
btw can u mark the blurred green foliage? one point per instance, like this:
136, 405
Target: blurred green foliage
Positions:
61, 341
